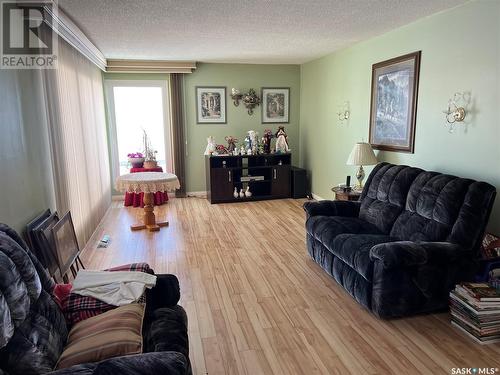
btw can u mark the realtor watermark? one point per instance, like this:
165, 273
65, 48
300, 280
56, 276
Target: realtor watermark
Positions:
474, 370
28, 40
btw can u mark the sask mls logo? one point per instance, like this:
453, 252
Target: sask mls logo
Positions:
28, 41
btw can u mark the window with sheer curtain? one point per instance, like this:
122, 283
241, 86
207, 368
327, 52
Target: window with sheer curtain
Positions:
78, 140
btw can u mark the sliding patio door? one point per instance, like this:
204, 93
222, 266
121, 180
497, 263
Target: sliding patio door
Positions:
136, 108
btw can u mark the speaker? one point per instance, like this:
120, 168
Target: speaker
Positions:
299, 182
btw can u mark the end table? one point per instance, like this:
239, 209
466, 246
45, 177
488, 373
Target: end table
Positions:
341, 195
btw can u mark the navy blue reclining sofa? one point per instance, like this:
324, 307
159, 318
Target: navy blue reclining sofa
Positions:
403, 246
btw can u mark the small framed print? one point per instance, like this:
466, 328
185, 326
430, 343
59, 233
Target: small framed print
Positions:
275, 105
211, 105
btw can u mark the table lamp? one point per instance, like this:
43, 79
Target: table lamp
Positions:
361, 154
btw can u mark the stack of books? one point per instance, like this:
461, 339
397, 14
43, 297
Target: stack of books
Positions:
475, 310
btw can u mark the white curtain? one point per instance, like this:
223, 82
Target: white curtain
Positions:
78, 140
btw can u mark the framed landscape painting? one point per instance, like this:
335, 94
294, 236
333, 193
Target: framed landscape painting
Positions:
210, 105
275, 105
394, 103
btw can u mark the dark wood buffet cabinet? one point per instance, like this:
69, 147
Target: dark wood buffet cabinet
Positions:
267, 176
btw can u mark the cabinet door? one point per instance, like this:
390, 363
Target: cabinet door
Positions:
281, 181
222, 183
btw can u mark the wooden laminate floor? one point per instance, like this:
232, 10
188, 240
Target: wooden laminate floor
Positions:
257, 304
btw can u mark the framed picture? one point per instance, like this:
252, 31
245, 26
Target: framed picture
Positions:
45, 243
210, 105
394, 103
66, 244
275, 105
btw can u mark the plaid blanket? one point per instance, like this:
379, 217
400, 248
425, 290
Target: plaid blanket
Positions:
77, 308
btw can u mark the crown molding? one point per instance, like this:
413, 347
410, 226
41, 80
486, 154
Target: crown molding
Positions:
149, 66
71, 33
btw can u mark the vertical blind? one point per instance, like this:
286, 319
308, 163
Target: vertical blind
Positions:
78, 140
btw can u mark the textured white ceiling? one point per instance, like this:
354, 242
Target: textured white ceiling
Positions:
258, 31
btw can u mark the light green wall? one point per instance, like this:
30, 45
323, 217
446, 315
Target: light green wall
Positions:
243, 77
24, 156
460, 52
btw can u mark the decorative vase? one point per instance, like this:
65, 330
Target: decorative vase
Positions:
235, 194
242, 193
136, 162
149, 164
248, 193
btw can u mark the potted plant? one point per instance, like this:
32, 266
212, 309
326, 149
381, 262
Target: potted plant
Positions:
136, 159
149, 153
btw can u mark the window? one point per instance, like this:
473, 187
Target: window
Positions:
136, 107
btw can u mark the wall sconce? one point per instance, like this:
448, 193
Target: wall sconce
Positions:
249, 99
456, 110
344, 113
236, 96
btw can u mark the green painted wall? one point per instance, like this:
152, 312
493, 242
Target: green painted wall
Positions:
243, 77
460, 52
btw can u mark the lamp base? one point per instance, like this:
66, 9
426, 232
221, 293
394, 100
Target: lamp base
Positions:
360, 176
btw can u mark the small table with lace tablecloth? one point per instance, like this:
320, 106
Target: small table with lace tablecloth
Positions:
148, 183
137, 199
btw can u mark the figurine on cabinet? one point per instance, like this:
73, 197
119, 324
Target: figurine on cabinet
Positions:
266, 141
235, 193
248, 193
231, 144
248, 144
210, 149
282, 140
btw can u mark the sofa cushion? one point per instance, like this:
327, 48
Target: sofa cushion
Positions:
384, 196
112, 334
326, 228
167, 331
354, 250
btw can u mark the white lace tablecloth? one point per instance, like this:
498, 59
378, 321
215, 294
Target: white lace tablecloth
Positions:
147, 182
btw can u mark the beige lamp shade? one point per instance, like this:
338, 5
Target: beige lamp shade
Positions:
362, 154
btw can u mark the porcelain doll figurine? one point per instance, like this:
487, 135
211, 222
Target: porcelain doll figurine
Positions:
209, 150
253, 138
248, 143
282, 140
266, 141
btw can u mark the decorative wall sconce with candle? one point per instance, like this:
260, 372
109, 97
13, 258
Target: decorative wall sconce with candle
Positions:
344, 113
250, 99
457, 109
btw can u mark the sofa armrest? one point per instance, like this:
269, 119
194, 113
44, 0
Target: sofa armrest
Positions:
408, 253
332, 208
166, 292
171, 363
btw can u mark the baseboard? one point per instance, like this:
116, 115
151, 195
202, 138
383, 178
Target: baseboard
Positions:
317, 197
196, 194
